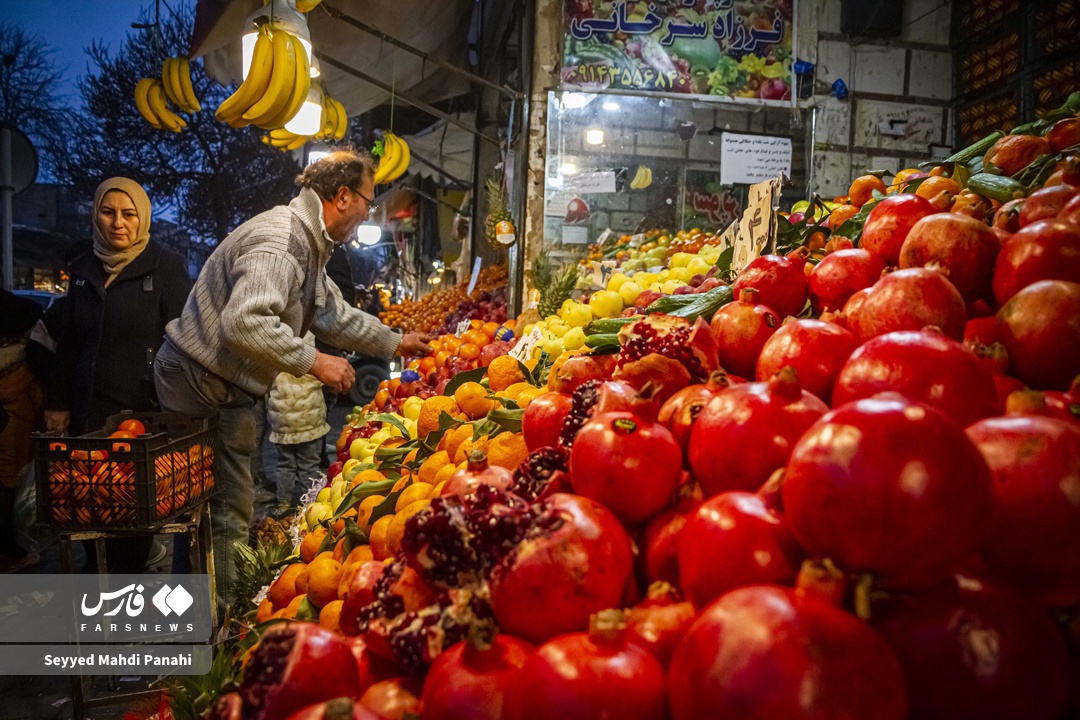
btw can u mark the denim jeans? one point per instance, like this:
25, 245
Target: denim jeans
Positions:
185, 386
297, 463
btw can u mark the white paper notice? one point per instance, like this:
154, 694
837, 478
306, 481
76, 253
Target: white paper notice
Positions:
748, 159
590, 182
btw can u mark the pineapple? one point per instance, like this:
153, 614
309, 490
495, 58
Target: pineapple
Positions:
557, 288
497, 212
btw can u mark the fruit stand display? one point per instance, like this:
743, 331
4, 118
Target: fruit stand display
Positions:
840, 482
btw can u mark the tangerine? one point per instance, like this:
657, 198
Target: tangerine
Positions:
471, 397
432, 465
330, 616
363, 510
379, 547
503, 372
933, 186
323, 578
283, 589
432, 409
266, 611
416, 491
309, 546
489, 329
862, 188
469, 351
507, 450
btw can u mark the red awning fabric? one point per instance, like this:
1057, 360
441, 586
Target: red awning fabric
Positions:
438, 28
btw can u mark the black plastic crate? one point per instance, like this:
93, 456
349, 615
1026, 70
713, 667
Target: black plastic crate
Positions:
96, 482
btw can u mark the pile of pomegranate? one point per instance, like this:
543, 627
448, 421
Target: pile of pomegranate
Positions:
871, 514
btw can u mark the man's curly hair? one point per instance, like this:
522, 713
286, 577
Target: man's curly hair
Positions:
344, 166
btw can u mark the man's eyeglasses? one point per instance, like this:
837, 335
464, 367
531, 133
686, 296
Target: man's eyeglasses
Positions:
369, 201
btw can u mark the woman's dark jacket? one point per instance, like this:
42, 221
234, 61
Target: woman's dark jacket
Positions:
108, 337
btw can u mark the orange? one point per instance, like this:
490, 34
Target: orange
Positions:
430, 411
348, 570
441, 357
366, 476
330, 616
468, 446
381, 398
359, 554
290, 610
396, 529
444, 474
438, 488
527, 395
862, 188
266, 611
476, 337
283, 589
516, 390
511, 323
309, 546
452, 343
379, 547
363, 510
410, 457
393, 386
471, 397
504, 372
507, 450
476, 324
339, 524
302, 580
469, 351
323, 579
416, 491
402, 482
453, 438
432, 465
931, 187
489, 329
427, 366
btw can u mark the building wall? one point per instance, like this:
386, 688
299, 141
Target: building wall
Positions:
906, 81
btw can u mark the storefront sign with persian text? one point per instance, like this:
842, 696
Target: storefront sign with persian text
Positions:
718, 48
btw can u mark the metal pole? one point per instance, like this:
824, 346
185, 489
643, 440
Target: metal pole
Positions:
7, 190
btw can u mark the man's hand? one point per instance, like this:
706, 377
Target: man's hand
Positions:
334, 372
414, 345
57, 420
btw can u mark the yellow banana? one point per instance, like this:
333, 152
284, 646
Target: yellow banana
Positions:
403, 158
300, 86
389, 158
279, 91
326, 126
342, 120
186, 88
282, 134
143, 104
307, 5
297, 143
168, 82
254, 86
156, 97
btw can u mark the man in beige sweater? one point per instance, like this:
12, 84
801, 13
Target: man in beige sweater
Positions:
263, 288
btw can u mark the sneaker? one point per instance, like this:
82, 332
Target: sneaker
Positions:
264, 496
158, 551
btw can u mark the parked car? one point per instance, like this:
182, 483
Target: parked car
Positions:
370, 371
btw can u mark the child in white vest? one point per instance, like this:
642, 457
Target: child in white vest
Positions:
296, 413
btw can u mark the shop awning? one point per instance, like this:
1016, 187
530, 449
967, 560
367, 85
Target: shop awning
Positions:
440, 29
444, 152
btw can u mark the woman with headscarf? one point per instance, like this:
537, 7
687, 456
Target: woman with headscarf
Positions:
122, 291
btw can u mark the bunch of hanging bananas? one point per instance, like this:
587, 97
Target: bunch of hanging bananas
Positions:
642, 178
284, 140
153, 105
335, 121
276, 84
176, 79
395, 159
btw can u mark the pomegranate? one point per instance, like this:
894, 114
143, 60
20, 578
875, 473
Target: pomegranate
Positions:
675, 338
815, 349
733, 540
1007, 217
360, 594
907, 300
767, 652
1044, 250
887, 486
343, 708
660, 547
888, 224
780, 282
681, 410
841, 274
470, 680
598, 674
395, 699
1040, 328
545, 471
1064, 134
543, 420
620, 396
747, 431
1046, 203
580, 369
972, 650
370, 667
477, 472
983, 330
1034, 523
924, 366
741, 328
575, 561
960, 247
627, 464
228, 707
295, 665
659, 621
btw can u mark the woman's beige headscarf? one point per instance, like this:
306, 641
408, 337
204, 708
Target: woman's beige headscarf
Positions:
115, 260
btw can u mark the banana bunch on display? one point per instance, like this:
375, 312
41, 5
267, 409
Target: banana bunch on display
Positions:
153, 106
395, 159
276, 84
642, 178
176, 78
284, 140
335, 120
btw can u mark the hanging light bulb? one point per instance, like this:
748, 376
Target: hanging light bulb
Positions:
316, 67
368, 233
308, 119
285, 16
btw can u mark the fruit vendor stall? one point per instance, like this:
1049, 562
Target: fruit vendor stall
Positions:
855, 458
